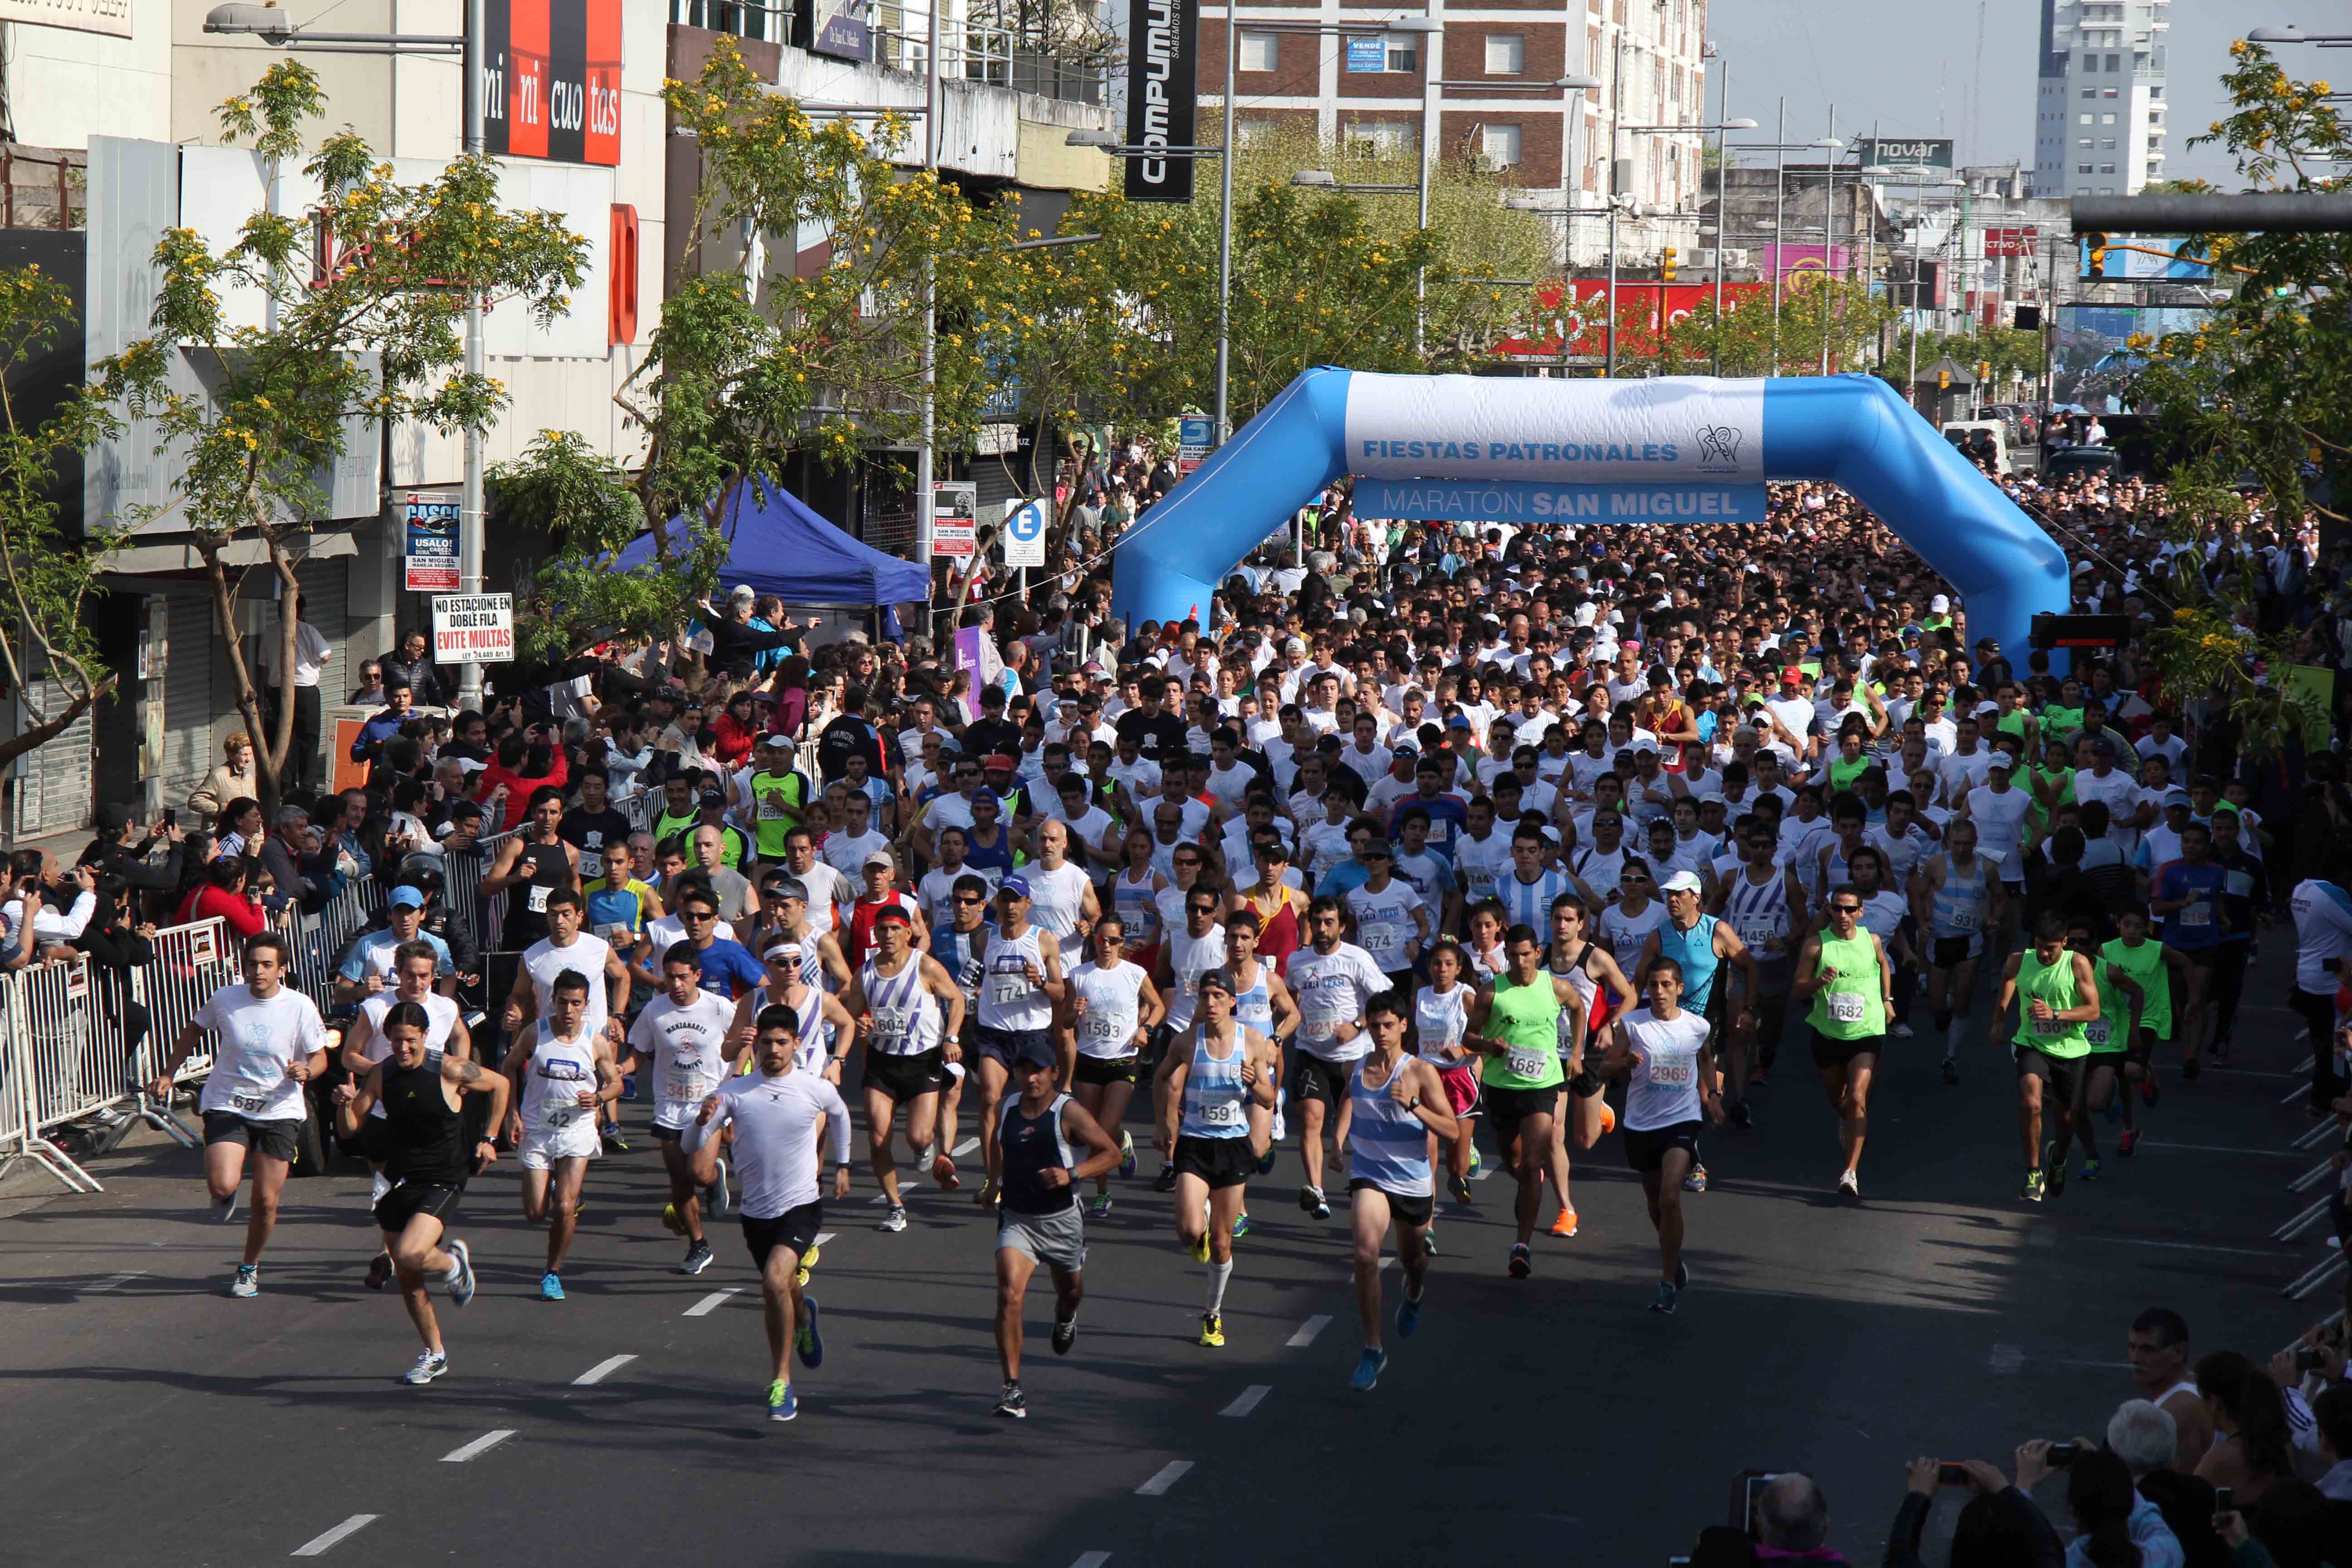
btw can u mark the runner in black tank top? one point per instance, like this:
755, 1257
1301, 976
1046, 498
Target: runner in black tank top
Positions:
428, 1158
543, 868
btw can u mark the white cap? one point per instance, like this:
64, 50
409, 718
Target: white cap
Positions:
1941, 605
1680, 882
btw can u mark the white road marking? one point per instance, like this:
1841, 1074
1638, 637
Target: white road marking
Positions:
1170, 1474
114, 1281
602, 1370
2008, 1359
958, 1152
821, 1237
1307, 1330
1091, 1559
1251, 1398
319, 1546
1485, 1171
2005, 1359
2219, 1149
2185, 1246
712, 1302
479, 1445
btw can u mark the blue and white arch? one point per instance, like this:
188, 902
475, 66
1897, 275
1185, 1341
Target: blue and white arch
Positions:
1676, 432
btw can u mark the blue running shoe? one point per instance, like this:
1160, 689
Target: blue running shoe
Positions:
1368, 1370
1240, 1225
809, 1344
1126, 1153
1408, 1317
782, 1405
460, 1280
551, 1286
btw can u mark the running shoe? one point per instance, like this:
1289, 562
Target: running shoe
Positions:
2148, 1093
808, 1265
1125, 1152
1212, 1329
1098, 1206
1013, 1404
551, 1286
2054, 1171
2124, 1144
1608, 1118
1429, 1239
894, 1221
782, 1405
1760, 1079
1565, 1226
697, 1258
1165, 1182
1665, 1302
1312, 1200
944, 1172
1522, 1263
1408, 1317
1265, 1160
1065, 1334
1200, 1247
613, 1141
1474, 1162
1849, 1183
715, 1195
672, 1221
1681, 1274
809, 1344
1741, 1117
2090, 1170
1460, 1187
1951, 1070
2190, 1068
1241, 1224
1368, 1370
224, 1209
1697, 1181
2032, 1191
246, 1281
460, 1278
1902, 1030
2219, 1050
378, 1272
430, 1364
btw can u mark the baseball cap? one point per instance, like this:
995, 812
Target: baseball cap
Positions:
790, 887
997, 760
2001, 760
1680, 882
1218, 979
1457, 723
713, 797
773, 739
1016, 885
1792, 677
406, 898
2176, 798
1035, 1052
877, 858
1940, 604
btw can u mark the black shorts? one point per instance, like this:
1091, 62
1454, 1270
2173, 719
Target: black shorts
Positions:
1403, 1210
1220, 1162
1312, 1077
669, 1134
1951, 951
275, 1140
370, 1142
1003, 1046
1505, 1108
909, 1077
2064, 1075
1646, 1151
795, 1228
1106, 1069
407, 1199
1831, 1051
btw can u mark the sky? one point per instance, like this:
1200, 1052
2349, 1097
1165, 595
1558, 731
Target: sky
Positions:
1920, 69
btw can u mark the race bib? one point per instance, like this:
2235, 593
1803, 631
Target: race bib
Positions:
770, 806
1104, 1029
249, 1104
536, 900
1319, 1012
2099, 1032
2049, 1027
1967, 920
1671, 1071
561, 1115
890, 1026
682, 1083
1222, 1113
1007, 989
1527, 1063
2199, 913
1383, 936
1756, 931
2239, 883
1847, 1007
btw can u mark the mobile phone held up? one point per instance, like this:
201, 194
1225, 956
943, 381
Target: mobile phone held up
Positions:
1948, 1474
2063, 1454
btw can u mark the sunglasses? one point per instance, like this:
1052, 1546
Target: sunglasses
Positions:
970, 899
1846, 909
1202, 909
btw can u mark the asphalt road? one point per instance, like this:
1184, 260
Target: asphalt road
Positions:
147, 1416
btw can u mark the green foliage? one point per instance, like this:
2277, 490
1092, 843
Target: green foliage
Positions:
1742, 341
44, 578
2203, 651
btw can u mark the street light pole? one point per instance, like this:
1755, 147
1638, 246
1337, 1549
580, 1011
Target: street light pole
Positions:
1722, 222
1779, 186
1829, 239
1224, 235
926, 528
1616, 117
470, 520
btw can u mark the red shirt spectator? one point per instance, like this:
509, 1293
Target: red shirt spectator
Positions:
513, 756
242, 915
729, 736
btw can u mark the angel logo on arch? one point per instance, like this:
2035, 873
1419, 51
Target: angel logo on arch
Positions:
1718, 448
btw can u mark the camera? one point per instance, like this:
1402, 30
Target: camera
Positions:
1948, 1474
2224, 1500
2063, 1454
2310, 1358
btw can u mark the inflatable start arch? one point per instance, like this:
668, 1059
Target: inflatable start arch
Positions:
1659, 449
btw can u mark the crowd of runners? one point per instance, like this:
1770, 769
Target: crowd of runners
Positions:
1574, 835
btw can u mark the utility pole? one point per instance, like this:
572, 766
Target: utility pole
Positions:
469, 506
1722, 222
1616, 116
1779, 184
1829, 237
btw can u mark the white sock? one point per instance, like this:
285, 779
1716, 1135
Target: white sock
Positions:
1219, 1274
454, 1268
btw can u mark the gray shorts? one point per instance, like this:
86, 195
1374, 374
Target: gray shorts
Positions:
1056, 1240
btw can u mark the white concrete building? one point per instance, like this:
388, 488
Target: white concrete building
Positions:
2099, 120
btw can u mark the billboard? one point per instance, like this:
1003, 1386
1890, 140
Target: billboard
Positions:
2011, 241
551, 79
1644, 311
1916, 151
841, 30
111, 17
1163, 63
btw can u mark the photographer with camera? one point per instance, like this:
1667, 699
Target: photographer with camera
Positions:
1999, 1527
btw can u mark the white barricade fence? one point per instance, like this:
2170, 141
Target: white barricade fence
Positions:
191, 963
55, 1059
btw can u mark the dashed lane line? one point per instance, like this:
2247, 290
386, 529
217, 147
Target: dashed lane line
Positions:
712, 1302
319, 1546
1307, 1330
478, 1447
1171, 1472
600, 1370
1250, 1399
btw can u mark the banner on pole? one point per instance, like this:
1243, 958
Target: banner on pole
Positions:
430, 525
1163, 63
473, 628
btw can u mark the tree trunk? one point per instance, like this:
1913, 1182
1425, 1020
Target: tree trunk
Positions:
248, 698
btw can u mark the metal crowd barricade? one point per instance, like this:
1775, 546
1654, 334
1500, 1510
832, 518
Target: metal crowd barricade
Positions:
54, 1056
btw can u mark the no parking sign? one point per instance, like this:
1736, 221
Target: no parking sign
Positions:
1024, 534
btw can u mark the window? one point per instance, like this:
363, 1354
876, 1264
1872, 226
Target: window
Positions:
1498, 145
1253, 132
2115, 64
2090, 92
2085, 143
2081, 168
2106, 119
1506, 54
1260, 52
2107, 168
1383, 138
1404, 52
2086, 119
2156, 92
2109, 144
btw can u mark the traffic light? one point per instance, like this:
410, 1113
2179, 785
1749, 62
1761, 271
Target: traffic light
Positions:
2094, 256
1666, 265
1984, 369
1943, 381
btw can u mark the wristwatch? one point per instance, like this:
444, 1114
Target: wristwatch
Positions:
1414, 1104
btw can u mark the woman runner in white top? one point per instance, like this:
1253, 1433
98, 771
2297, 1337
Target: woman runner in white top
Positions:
1672, 1085
822, 1019
1626, 924
1135, 896
1441, 1011
1114, 1007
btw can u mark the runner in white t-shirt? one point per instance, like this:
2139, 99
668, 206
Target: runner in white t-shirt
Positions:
1672, 1086
682, 1036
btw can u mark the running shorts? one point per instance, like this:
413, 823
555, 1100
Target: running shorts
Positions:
905, 1077
1056, 1240
1646, 1151
274, 1140
1106, 1069
2063, 1074
1220, 1162
1461, 1088
1829, 1051
795, 1228
1505, 1108
1415, 1210
1312, 1077
408, 1199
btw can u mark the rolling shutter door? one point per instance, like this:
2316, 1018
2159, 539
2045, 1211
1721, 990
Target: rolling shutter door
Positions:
189, 751
53, 791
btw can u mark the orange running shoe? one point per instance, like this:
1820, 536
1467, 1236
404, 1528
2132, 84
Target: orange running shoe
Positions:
1565, 1226
1608, 1118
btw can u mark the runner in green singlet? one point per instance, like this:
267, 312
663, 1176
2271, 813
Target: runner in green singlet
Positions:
2121, 998
1845, 971
2136, 956
1515, 1026
2057, 994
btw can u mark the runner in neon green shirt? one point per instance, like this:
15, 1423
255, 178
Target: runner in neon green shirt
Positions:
1515, 1024
2057, 994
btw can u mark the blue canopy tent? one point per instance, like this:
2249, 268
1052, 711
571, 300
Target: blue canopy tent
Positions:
779, 546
